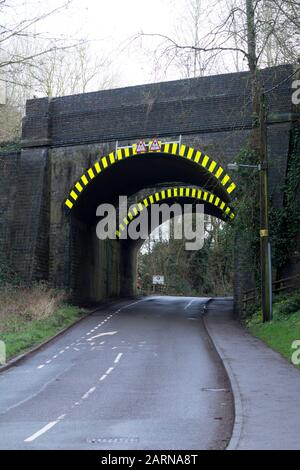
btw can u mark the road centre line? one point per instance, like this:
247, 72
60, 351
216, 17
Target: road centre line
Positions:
42, 431
118, 358
189, 304
41, 366
51, 424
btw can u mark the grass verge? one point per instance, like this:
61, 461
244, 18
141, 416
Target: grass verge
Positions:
20, 336
31, 314
283, 330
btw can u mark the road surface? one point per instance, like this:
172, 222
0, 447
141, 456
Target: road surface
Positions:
134, 375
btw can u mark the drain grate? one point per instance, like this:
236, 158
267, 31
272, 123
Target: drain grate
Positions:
113, 440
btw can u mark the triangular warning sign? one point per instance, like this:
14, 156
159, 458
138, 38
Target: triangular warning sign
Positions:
141, 147
154, 146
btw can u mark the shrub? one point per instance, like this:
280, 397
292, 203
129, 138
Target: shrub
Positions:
29, 303
289, 305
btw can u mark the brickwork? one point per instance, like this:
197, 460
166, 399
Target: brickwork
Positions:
62, 137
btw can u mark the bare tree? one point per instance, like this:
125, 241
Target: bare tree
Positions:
61, 72
17, 26
33, 63
258, 32
252, 32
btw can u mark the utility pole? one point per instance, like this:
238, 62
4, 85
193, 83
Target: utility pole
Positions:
265, 252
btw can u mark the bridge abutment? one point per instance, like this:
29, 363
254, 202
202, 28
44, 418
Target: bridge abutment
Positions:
63, 137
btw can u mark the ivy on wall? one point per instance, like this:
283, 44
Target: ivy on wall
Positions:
10, 147
284, 222
245, 230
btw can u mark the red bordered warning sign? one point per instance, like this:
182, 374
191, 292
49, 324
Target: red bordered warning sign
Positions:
154, 145
141, 147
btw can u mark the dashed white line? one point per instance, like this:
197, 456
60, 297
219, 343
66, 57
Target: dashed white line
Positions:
103, 377
189, 304
109, 370
89, 333
118, 358
88, 393
41, 431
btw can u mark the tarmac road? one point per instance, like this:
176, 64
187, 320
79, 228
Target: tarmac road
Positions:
134, 375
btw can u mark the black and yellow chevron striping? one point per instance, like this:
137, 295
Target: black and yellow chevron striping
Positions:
176, 192
211, 167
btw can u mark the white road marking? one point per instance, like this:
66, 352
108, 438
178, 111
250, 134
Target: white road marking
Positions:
89, 333
189, 304
103, 377
133, 303
109, 333
109, 370
118, 358
88, 393
41, 431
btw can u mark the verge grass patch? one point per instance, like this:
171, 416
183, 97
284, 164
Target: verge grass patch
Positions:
284, 329
31, 315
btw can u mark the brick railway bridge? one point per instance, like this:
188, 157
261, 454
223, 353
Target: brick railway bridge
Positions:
69, 163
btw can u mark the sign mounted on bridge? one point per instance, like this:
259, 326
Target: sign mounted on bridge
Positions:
154, 145
158, 280
141, 147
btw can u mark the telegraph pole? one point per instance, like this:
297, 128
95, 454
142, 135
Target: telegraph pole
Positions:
265, 252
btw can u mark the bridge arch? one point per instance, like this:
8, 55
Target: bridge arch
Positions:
188, 175
213, 204
169, 163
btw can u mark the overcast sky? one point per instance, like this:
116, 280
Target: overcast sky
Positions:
110, 24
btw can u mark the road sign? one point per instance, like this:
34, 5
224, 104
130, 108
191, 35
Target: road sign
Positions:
141, 147
158, 279
154, 145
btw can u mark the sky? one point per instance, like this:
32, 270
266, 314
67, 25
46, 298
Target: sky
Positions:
110, 25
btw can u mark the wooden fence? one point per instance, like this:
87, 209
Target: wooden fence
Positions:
286, 284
